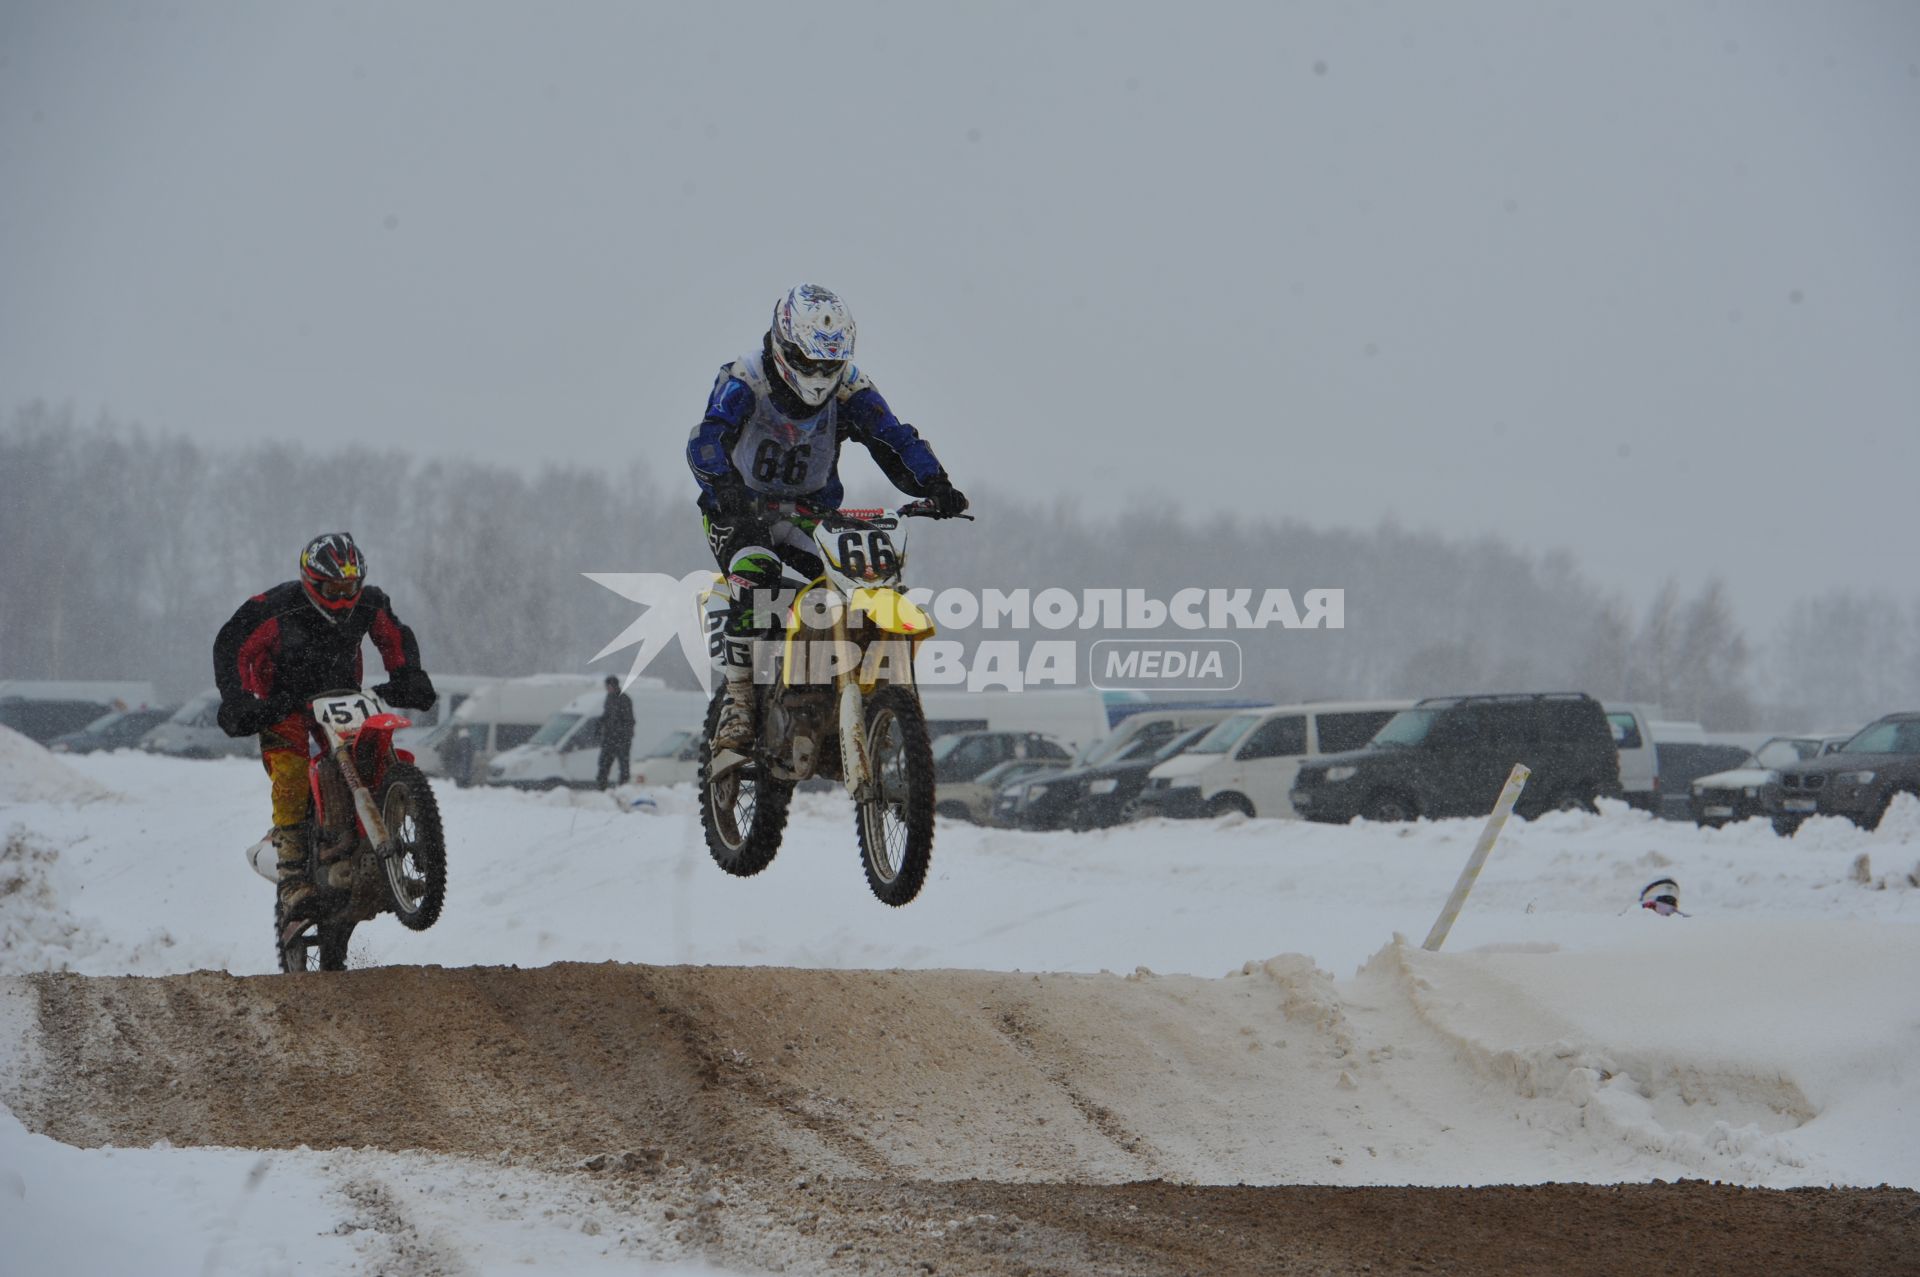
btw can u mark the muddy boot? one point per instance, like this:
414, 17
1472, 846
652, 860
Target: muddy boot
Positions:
734, 727
290, 861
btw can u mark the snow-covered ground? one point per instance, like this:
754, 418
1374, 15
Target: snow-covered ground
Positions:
1564, 1034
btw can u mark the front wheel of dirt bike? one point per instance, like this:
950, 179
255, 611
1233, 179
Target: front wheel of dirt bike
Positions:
315, 947
417, 872
896, 823
743, 813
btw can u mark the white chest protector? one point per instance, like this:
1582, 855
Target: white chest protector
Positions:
780, 455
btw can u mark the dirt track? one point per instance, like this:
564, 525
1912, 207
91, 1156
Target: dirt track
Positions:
957, 1122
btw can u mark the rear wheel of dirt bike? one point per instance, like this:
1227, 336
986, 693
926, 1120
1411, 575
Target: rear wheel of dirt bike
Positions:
896, 824
417, 875
744, 813
316, 947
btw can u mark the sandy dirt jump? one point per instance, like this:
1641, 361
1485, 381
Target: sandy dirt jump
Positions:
884, 1122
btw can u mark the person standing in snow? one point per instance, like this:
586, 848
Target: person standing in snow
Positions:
771, 437
286, 646
616, 735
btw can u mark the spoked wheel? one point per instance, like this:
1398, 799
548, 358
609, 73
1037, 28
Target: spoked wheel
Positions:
417, 873
316, 947
743, 813
896, 823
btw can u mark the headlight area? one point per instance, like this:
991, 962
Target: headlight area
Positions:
1855, 778
1343, 772
1105, 785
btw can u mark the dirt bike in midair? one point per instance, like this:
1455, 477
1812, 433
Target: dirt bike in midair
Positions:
374, 844
837, 701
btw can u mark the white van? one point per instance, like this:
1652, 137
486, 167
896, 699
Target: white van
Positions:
566, 749
450, 693
495, 717
1248, 763
1075, 716
1637, 729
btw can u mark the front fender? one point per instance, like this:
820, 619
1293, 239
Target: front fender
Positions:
893, 612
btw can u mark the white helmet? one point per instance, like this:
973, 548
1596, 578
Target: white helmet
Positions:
812, 341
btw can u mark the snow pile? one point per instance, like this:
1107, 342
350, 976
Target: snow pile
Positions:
1564, 1033
30, 774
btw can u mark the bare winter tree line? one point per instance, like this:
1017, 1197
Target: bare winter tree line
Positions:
127, 549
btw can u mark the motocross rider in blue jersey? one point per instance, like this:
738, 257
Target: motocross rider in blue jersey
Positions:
771, 437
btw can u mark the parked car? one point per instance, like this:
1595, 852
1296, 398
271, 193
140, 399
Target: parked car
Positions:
194, 732
674, 759
963, 756
1450, 755
119, 729
1247, 762
1753, 788
42, 709
1858, 780
1682, 763
1103, 793
973, 800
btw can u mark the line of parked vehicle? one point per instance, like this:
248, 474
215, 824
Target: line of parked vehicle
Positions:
1075, 759
1442, 756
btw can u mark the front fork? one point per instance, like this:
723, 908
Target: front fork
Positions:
370, 819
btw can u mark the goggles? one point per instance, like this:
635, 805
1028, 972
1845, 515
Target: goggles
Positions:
337, 591
797, 360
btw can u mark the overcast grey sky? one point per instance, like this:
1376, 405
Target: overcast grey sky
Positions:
1639, 280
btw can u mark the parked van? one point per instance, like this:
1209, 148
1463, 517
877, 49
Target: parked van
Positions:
1638, 731
566, 749
1074, 716
496, 717
1248, 762
451, 692
41, 709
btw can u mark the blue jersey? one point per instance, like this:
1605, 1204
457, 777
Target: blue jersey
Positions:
746, 442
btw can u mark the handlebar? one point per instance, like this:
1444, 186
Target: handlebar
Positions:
920, 509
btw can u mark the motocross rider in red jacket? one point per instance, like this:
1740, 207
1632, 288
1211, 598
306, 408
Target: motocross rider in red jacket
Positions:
290, 644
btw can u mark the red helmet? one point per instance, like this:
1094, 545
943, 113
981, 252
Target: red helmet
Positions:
333, 572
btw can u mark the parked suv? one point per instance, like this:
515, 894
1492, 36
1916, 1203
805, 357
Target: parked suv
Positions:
1450, 755
1857, 780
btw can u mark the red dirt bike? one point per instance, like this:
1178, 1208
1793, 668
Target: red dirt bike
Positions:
375, 844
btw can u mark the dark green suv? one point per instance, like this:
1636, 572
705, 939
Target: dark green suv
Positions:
1449, 756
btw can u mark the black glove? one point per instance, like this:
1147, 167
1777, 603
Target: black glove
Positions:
409, 688
244, 715
948, 501
737, 501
